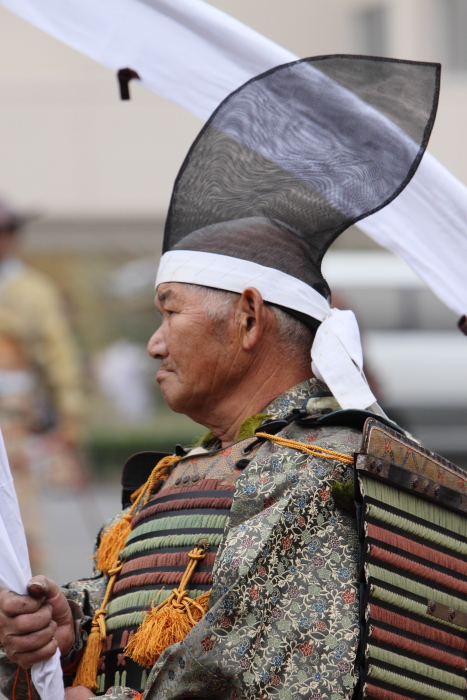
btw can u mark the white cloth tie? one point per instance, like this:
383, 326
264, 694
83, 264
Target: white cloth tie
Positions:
337, 359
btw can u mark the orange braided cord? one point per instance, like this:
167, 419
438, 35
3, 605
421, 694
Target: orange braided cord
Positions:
87, 669
160, 471
178, 594
99, 616
314, 450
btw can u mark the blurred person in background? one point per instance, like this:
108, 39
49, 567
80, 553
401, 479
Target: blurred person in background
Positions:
41, 393
122, 372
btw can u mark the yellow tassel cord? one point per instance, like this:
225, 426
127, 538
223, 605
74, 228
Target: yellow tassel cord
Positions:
314, 450
87, 670
170, 621
113, 540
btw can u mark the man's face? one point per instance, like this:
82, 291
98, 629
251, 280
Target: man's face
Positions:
198, 355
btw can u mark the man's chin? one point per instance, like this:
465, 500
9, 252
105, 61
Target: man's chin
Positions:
168, 386
175, 404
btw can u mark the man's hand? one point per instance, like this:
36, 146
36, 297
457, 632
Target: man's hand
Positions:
33, 626
78, 693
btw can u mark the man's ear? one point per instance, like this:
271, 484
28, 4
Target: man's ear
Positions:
251, 310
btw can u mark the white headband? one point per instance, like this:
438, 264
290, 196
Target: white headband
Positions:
336, 353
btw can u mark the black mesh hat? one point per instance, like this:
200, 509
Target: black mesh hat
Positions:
284, 165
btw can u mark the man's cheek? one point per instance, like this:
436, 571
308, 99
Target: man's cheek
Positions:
174, 396
166, 392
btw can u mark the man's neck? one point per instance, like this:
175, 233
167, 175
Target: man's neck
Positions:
249, 398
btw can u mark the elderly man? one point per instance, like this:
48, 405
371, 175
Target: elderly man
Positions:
254, 526
222, 362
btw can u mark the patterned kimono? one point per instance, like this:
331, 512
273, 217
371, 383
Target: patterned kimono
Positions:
283, 617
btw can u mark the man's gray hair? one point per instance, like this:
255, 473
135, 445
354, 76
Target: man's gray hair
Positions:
293, 334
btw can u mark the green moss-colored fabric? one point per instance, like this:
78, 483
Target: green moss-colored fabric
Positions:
205, 440
247, 429
343, 494
249, 425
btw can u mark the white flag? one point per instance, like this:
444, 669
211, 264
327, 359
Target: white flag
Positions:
15, 573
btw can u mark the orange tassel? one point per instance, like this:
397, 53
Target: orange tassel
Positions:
86, 674
171, 621
87, 670
112, 542
114, 538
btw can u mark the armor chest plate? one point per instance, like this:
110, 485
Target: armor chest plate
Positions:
193, 504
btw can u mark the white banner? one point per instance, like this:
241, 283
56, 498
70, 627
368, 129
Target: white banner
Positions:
15, 573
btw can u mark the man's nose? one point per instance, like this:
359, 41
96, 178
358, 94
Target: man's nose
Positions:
157, 345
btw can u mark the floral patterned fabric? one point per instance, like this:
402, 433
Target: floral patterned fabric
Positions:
283, 621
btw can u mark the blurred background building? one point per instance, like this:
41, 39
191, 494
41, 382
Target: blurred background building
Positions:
100, 171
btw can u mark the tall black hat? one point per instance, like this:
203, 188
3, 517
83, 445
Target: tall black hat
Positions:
284, 165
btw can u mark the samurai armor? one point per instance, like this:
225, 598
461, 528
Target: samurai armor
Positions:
412, 523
